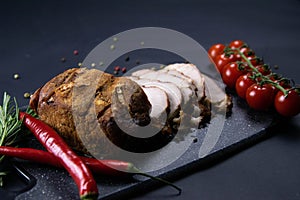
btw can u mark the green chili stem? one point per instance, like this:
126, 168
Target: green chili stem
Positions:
133, 169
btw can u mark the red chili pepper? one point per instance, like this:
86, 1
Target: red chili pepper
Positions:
71, 162
34, 155
107, 167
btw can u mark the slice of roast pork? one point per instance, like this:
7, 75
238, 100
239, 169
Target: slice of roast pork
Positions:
184, 86
172, 91
180, 75
158, 100
141, 72
193, 73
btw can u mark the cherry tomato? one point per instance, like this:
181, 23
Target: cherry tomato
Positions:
242, 84
236, 44
260, 97
222, 60
263, 69
283, 82
246, 51
254, 60
215, 50
275, 77
230, 73
289, 105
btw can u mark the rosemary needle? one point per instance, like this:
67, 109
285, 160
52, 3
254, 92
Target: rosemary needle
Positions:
10, 125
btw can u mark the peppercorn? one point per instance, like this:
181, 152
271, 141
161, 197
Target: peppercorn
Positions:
75, 52
117, 68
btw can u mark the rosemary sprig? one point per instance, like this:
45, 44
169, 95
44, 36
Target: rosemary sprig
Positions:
10, 125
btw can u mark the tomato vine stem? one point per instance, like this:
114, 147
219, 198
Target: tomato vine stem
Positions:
264, 79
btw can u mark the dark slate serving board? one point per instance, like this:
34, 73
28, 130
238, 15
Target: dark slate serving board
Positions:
241, 129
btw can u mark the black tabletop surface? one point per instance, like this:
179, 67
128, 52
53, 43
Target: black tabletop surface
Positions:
35, 35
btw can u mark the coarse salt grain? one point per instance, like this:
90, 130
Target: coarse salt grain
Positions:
63, 59
16, 76
26, 95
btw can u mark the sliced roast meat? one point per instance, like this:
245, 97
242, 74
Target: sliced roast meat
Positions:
158, 100
172, 91
217, 95
164, 77
141, 72
193, 73
182, 84
180, 75
189, 81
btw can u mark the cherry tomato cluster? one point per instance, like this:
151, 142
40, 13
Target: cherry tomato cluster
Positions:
253, 80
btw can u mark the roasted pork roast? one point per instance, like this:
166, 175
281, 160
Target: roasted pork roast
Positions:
167, 99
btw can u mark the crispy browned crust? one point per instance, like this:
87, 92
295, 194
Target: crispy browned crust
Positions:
55, 105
